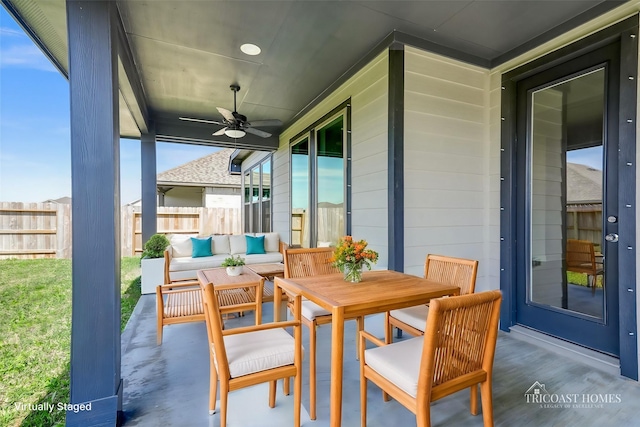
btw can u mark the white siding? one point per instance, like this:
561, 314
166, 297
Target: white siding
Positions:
447, 194
369, 103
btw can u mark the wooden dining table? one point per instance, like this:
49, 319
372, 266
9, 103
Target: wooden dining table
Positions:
379, 291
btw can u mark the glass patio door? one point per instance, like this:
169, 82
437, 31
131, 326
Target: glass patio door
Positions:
567, 200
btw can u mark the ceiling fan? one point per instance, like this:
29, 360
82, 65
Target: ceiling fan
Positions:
235, 124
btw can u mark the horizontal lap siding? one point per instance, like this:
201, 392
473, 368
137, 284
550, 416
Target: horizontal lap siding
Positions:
369, 126
446, 161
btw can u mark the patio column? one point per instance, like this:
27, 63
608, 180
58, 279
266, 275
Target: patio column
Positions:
149, 186
95, 181
396, 158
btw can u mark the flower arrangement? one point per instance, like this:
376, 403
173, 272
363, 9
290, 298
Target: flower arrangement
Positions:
350, 256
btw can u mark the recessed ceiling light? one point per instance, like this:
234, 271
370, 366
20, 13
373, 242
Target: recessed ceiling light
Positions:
250, 49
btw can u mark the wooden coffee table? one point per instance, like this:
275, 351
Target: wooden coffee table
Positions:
269, 271
235, 293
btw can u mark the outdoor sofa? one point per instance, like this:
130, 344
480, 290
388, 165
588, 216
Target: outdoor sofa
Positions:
182, 261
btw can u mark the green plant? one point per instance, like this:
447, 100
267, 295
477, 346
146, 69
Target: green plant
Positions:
233, 261
155, 246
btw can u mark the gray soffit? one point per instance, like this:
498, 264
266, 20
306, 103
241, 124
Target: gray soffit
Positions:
179, 58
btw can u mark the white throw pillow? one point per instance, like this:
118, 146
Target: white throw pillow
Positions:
271, 241
220, 244
181, 245
238, 244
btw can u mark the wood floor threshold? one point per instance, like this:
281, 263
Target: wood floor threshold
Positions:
592, 358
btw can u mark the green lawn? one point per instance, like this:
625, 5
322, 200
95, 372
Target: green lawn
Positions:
35, 332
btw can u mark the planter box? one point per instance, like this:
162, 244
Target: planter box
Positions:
152, 274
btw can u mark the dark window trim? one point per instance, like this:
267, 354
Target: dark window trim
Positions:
395, 166
309, 133
248, 172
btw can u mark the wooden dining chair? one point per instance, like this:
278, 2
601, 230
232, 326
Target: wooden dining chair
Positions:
246, 356
178, 303
581, 258
308, 262
456, 352
460, 272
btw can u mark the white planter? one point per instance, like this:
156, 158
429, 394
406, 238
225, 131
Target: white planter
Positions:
235, 271
152, 274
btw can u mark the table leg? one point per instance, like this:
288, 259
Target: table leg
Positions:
337, 355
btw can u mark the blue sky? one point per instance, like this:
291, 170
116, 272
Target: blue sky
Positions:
35, 156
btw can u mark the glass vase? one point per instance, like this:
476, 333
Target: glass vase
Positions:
353, 273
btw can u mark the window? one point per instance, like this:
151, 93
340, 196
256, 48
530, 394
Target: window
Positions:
320, 182
257, 198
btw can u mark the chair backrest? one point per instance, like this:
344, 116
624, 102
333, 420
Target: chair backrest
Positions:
581, 256
304, 262
213, 318
460, 339
460, 272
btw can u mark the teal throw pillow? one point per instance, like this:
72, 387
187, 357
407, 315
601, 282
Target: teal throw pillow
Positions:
201, 247
255, 245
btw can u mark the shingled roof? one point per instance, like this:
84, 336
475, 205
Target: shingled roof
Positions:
584, 184
210, 171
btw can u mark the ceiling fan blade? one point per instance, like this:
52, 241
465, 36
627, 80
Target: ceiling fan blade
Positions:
220, 132
228, 115
190, 119
258, 132
260, 123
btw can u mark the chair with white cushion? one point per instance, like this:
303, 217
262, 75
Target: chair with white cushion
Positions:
452, 271
247, 356
456, 352
312, 262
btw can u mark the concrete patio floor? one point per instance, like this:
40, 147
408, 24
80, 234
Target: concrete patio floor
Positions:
168, 385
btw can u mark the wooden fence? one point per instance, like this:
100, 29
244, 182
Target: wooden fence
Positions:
171, 220
584, 222
43, 230
35, 230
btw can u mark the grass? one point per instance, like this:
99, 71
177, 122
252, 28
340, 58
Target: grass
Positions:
581, 279
35, 335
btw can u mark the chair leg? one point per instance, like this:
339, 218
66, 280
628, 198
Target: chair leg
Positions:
272, 393
474, 399
591, 280
297, 397
159, 314
423, 415
285, 386
312, 370
224, 394
159, 339
487, 403
213, 387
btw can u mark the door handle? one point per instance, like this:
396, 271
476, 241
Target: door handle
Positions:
611, 237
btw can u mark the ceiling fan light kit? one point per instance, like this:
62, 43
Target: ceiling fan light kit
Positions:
235, 133
235, 124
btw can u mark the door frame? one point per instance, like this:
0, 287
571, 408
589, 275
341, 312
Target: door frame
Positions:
626, 32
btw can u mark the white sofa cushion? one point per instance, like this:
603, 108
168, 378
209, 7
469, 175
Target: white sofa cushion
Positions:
398, 362
220, 244
269, 257
258, 351
413, 316
188, 263
271, 241
181, 245
238, 244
